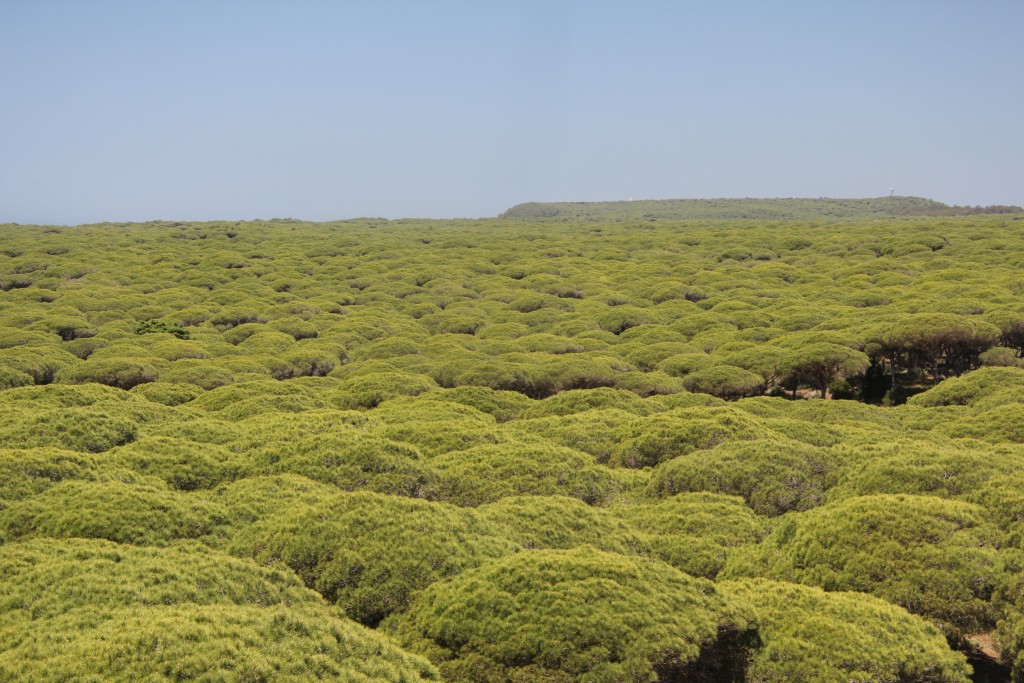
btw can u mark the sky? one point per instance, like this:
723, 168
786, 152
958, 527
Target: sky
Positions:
228, 109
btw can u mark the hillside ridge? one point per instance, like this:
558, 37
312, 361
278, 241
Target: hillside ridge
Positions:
749, 208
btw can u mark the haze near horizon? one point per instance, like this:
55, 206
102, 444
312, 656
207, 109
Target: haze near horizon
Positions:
122, 111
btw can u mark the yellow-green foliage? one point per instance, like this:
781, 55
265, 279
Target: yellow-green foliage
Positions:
1010, 599
841, 416
683, 364
976, 389
40, 363
88, 417
374, 406
27, 472
13, 377
245, 399
351, 460
58, 396
184, 464
168, 394
206, 374
434, 437
484, 474
430, 408
368, 391
86, 429
115, 372
578, 401
935, 558
254, 498
946, 468
1001, 356
93, 610
695, 532
238, 643
43, 578
370, 553
810, 635
664, 436
265, 430
198, 429
599, 432
1003, 423
576, 615
724, 381
561, 522
916, 418
772, 475
144, 512
503, 405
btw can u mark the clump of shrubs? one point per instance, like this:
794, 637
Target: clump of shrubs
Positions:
580, 614
162, 327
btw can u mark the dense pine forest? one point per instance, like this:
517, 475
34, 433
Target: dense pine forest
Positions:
610, 443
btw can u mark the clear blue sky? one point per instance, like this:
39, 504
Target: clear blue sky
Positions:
179, 109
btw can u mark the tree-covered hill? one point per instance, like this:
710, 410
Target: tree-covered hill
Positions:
513, 450
823, 208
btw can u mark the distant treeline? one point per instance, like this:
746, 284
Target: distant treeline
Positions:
760, 209
965, 210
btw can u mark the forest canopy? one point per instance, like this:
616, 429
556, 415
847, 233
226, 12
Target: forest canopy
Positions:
611, 443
